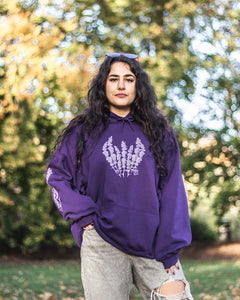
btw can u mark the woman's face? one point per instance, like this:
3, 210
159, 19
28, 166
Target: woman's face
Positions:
120, 88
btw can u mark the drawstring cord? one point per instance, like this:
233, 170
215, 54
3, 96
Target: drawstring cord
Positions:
125, 120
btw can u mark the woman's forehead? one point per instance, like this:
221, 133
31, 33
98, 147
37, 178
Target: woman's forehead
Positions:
120, 68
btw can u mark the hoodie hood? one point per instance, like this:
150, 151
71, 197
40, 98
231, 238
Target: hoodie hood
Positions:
128, 119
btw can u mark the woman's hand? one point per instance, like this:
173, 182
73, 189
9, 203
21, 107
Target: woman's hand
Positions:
88, 226
171, 269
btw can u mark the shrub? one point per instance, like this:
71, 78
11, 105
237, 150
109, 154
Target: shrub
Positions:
202, 232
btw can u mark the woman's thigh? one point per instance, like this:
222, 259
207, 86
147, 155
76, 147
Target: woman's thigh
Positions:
106, 271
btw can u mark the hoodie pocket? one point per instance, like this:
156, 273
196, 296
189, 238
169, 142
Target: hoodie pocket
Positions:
130, 230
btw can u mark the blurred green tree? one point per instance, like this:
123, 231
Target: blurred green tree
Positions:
48, 52
37, 96
211, 161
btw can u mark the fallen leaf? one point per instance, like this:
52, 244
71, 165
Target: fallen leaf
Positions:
48, 296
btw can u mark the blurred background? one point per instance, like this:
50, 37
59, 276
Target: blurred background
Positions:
50, 50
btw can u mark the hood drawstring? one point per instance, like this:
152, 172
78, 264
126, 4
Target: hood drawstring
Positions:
128, 119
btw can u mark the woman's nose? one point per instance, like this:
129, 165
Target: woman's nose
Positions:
121, 85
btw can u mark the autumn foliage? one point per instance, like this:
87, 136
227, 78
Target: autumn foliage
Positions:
49, 51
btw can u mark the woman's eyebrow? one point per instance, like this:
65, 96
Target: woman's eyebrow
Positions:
126, 75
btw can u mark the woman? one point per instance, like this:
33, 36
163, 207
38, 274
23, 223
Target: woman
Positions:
116, 174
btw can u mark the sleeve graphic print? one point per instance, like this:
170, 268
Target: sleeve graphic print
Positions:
55, 194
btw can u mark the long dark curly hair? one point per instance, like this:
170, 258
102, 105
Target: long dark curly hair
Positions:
143, 109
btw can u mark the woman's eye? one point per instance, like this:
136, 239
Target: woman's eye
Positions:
112, 79
130, 80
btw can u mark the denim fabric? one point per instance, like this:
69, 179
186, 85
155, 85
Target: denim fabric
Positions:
109, 274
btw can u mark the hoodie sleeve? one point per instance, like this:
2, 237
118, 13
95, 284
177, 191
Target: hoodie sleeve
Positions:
174, 230
61, 177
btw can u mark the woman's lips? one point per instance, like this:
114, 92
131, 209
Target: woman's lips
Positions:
121, 95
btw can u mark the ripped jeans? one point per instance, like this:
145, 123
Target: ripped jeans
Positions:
109, 274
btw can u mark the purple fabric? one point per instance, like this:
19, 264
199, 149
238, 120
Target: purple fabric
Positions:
117, 189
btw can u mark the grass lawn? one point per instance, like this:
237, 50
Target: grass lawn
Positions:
61, 280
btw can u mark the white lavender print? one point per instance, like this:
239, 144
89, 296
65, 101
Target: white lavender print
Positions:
49, 173
55, 194
126, 161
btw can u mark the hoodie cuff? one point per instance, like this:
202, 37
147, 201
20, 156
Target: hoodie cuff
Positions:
170, 261
86, 220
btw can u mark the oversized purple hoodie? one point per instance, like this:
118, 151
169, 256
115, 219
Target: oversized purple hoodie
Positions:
116, 188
